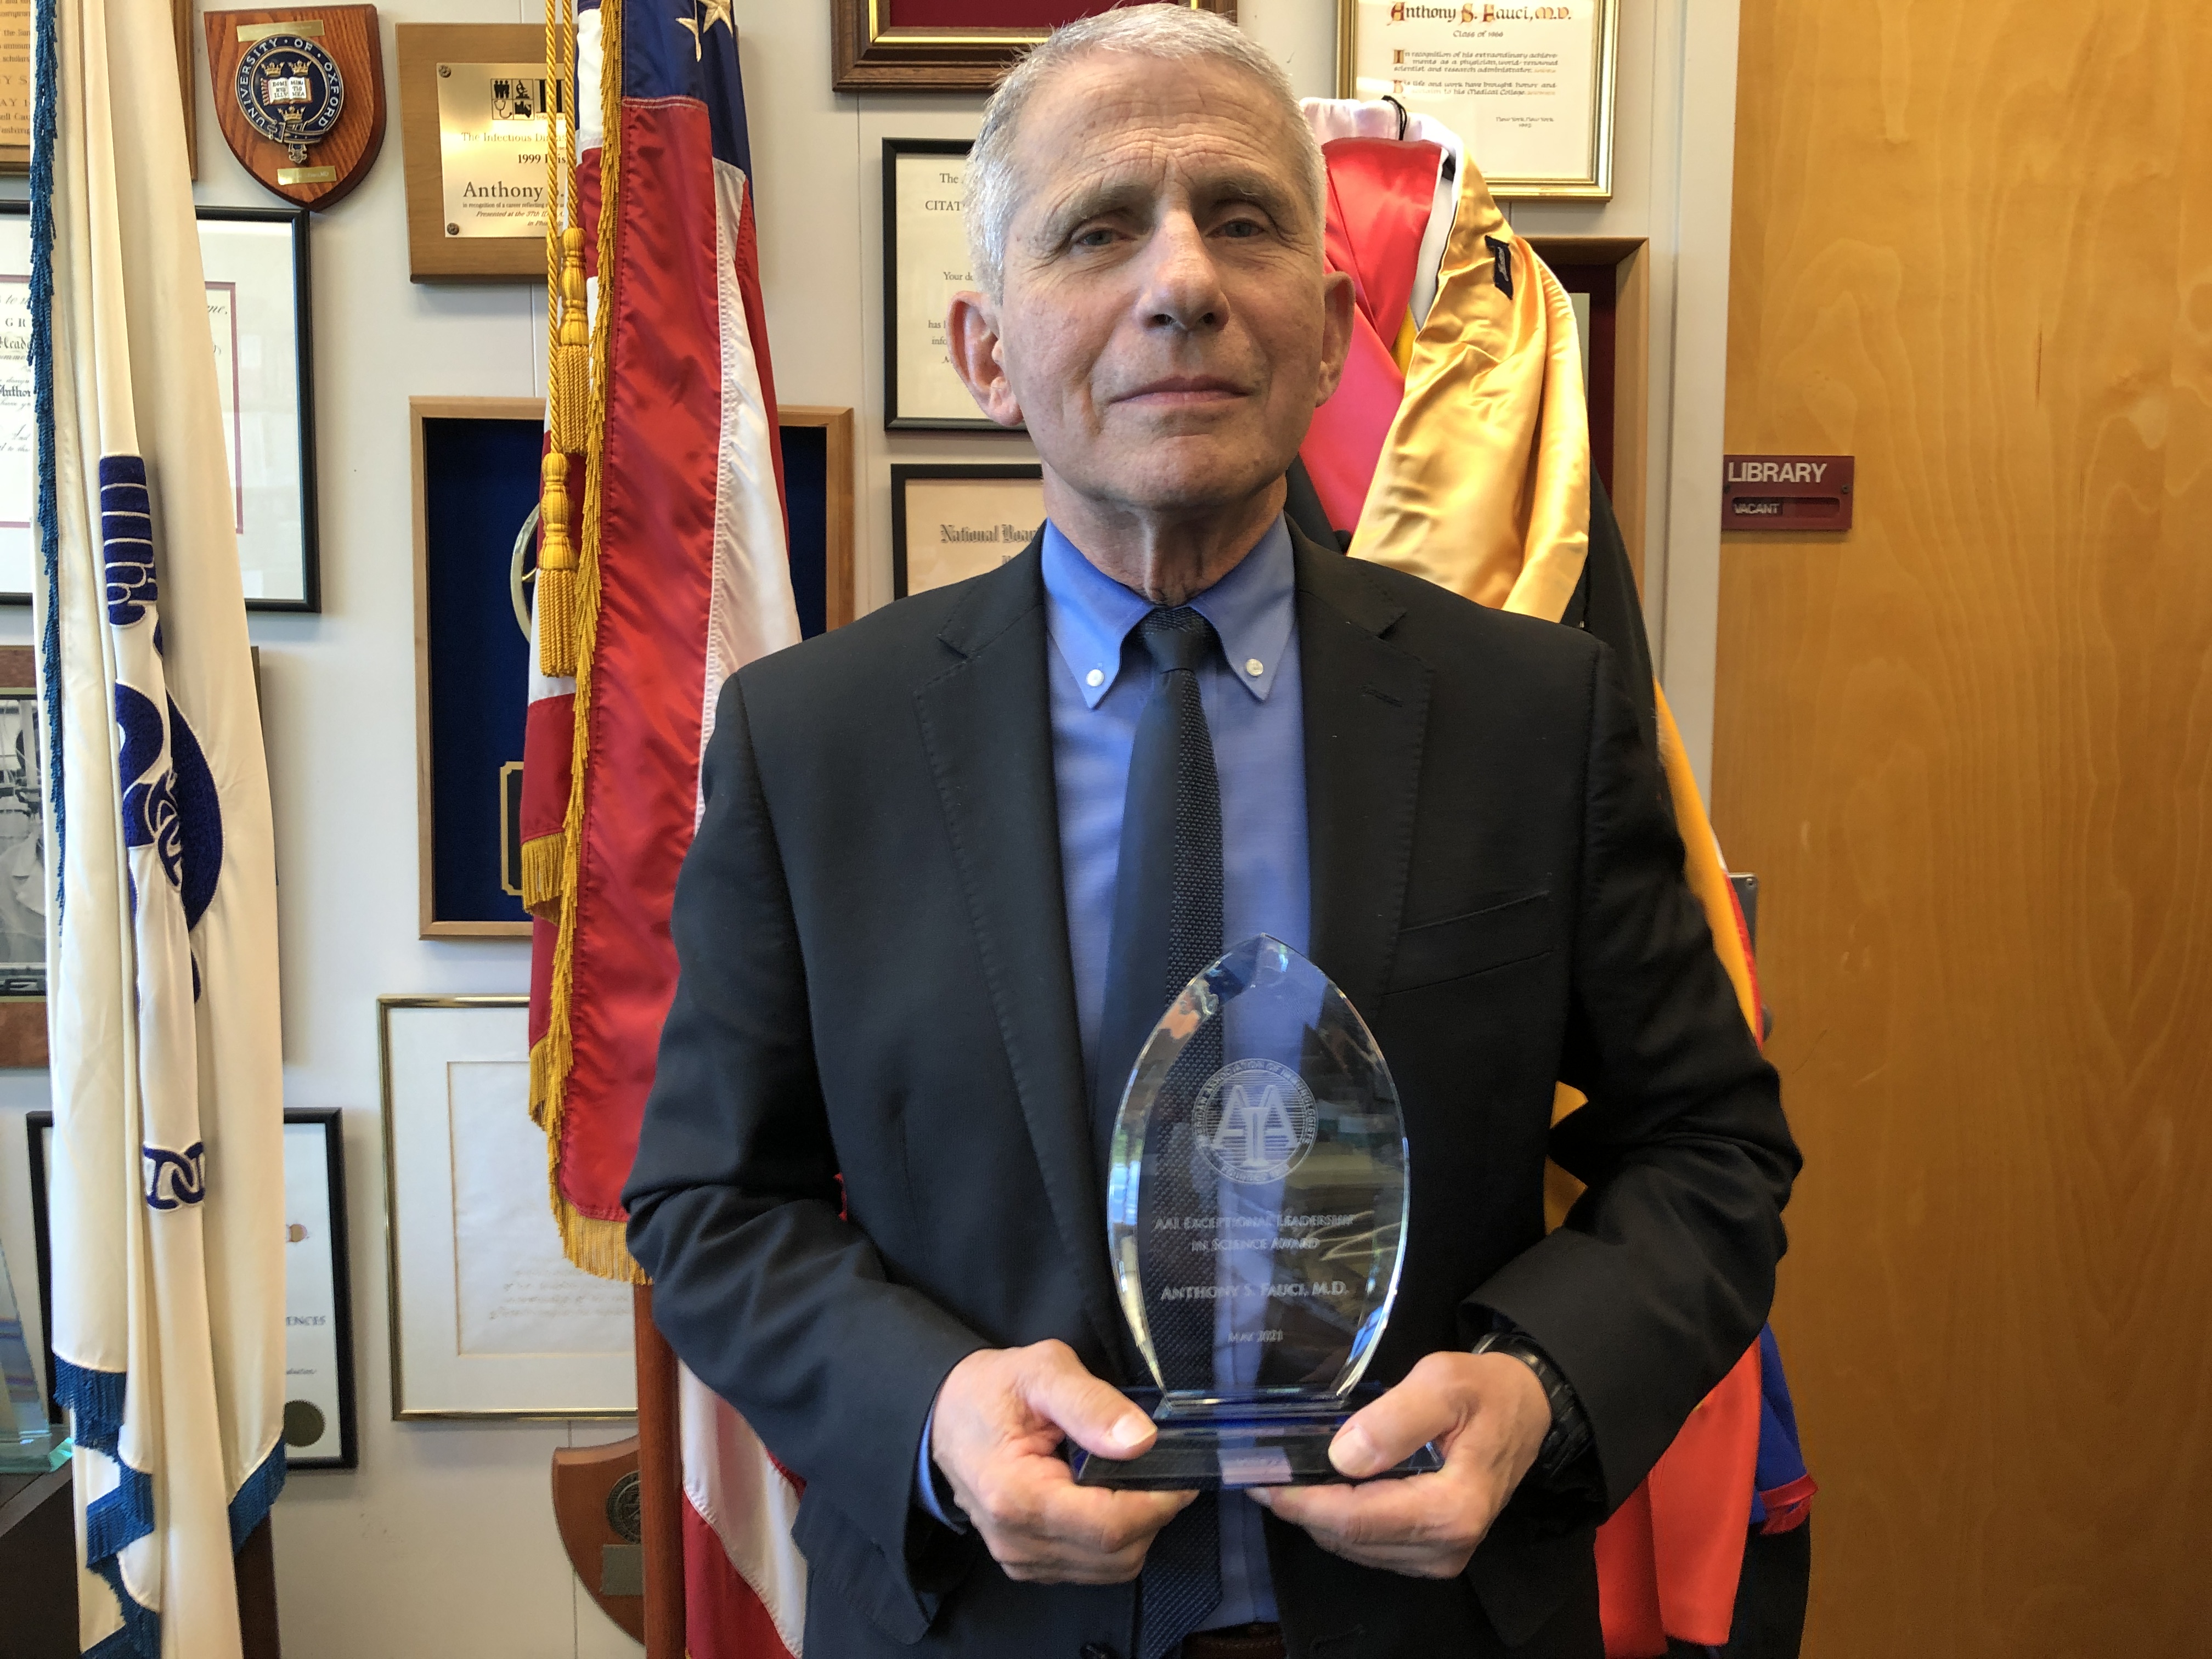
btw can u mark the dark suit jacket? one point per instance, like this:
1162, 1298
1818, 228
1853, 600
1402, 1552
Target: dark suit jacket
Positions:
875, 985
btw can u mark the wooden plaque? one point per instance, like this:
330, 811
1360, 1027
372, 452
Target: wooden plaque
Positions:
595, 1505
332, 165
427, 51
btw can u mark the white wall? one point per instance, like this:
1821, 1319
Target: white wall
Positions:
442, 1542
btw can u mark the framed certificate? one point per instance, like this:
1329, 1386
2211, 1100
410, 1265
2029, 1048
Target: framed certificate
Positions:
948, 45
489, 1318
254, 262
925, 265
1529, 88
472, 109
320, 1426
949, 523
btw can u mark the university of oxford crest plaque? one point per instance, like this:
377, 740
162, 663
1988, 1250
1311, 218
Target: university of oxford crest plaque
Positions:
300, 96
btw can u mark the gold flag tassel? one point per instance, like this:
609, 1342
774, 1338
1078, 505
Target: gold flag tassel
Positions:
568, 399
567, 379
593, 1242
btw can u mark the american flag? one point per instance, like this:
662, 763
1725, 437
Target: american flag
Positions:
690, 582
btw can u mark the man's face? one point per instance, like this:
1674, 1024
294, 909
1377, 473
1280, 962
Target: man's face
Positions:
1166, 326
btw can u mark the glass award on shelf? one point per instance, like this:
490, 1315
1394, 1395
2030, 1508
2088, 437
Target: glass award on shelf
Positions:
28, 1444
1256, 1217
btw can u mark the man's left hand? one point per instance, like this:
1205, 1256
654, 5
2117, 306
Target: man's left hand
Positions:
1487, 1415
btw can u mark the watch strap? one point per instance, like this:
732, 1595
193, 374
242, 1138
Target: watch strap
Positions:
1570, 1434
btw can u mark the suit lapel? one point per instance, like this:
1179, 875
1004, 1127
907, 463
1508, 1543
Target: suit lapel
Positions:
1366, 710
987, 724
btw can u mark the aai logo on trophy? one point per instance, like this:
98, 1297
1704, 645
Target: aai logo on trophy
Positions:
300, 96
1255, 1120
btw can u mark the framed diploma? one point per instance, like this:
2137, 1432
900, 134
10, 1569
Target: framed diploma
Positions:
319, 1420
948, 45
949, 523
320, 1426
925, 265
489, 1318
472, 109
1529, 88
259, 318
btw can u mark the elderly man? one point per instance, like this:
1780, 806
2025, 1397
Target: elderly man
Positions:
955, 856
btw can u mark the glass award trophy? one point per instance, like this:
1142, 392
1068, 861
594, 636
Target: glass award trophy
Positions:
1257, 1216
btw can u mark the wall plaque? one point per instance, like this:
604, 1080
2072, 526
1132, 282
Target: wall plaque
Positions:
474, 102
1786, 492
300, 96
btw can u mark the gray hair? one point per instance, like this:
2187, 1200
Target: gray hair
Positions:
1165, 31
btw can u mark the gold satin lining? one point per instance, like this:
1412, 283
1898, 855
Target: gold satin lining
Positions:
1484, 483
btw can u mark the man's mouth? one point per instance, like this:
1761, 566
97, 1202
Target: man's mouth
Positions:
1183, 392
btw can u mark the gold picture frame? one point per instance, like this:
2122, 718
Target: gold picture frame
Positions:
1589, 181
869, 53
420, 410
439, 1202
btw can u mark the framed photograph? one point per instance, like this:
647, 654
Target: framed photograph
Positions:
472, 107
475, 481
260, 317
947, 45
925, 265
949, 523
23, 864
489, 1318
320, 1426
1529, 88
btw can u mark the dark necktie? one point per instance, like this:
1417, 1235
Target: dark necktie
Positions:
1167, 927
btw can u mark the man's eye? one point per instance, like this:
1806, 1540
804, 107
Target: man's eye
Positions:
1242, 228
1097, 236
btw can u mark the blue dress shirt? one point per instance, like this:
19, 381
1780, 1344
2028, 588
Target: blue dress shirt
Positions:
1098, 683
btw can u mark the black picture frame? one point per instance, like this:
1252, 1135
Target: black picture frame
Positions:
37, 1125
311, 579
894, 419
976, 472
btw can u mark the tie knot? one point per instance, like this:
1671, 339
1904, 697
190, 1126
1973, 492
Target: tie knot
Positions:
1177, 638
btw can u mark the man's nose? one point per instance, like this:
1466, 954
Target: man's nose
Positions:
1183, 286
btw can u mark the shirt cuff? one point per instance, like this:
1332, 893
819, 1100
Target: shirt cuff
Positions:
930, 1489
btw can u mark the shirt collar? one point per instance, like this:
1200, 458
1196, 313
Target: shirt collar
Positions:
1090, 614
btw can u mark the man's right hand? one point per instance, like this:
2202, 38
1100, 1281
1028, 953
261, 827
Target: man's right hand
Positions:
1001, 1417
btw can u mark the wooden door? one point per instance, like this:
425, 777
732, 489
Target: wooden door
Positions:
1968, 749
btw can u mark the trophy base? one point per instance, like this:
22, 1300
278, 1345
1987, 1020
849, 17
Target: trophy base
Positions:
1228, 1454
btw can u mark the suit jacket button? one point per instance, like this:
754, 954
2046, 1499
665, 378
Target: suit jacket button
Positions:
1096, 1651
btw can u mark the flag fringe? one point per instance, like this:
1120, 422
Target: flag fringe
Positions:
594, 1244
541, 875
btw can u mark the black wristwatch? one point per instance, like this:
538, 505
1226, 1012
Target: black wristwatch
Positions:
1570, 1436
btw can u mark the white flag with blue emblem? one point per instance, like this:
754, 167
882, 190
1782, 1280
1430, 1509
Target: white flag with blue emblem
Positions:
168, 1219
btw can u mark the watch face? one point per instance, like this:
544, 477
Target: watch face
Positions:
289, 89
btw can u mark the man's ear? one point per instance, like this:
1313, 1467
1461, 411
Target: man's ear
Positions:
971, 329
1338, 301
